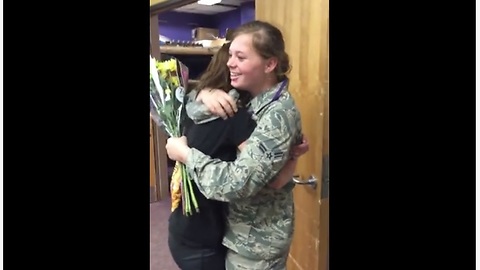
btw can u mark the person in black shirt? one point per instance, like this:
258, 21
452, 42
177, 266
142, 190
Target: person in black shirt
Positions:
195, 241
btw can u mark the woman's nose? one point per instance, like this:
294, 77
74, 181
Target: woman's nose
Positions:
230, 62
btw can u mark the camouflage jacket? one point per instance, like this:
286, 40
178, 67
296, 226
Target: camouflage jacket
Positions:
261, 219
199, 112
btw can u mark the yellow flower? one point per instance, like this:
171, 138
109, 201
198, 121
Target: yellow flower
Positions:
175, 81
165, 67
171, 65
158, 65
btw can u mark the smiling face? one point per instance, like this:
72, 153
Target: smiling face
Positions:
249, 71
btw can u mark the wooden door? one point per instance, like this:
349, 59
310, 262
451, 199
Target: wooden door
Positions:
304, 24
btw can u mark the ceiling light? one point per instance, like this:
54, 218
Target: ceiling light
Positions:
208, 2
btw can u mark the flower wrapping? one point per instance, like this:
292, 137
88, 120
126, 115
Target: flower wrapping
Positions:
168, 81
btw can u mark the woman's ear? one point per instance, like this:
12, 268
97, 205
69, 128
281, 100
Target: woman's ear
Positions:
271, 64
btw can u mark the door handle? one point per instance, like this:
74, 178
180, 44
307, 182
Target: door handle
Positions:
312, 181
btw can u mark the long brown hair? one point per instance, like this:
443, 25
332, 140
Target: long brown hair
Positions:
217, 75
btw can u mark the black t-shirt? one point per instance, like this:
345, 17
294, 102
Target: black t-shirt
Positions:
218, 139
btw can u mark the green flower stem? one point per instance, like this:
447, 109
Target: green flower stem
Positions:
188, 209
192, 194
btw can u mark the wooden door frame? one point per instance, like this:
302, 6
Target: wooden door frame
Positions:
159, 137
324, 249
153, 169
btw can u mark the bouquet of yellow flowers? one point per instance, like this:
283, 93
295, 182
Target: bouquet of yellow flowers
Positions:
168, 80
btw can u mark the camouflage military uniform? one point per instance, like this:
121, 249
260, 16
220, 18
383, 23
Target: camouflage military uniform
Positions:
261, 219
199, 112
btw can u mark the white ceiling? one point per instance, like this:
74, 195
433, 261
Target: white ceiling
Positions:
210, 10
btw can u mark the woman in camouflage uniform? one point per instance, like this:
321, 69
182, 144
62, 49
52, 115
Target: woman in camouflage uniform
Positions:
193, 240
261, 219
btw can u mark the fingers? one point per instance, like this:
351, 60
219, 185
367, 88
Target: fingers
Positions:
300, 149
218, 102
221, 104
232, 106
228, 108
218, 110
202, 93
227, 103
211, 108
304, 139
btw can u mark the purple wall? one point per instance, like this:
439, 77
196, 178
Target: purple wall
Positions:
247, 12
234, 18
229, 19
179, 25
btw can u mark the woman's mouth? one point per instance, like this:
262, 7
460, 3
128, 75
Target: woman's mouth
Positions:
234, 76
